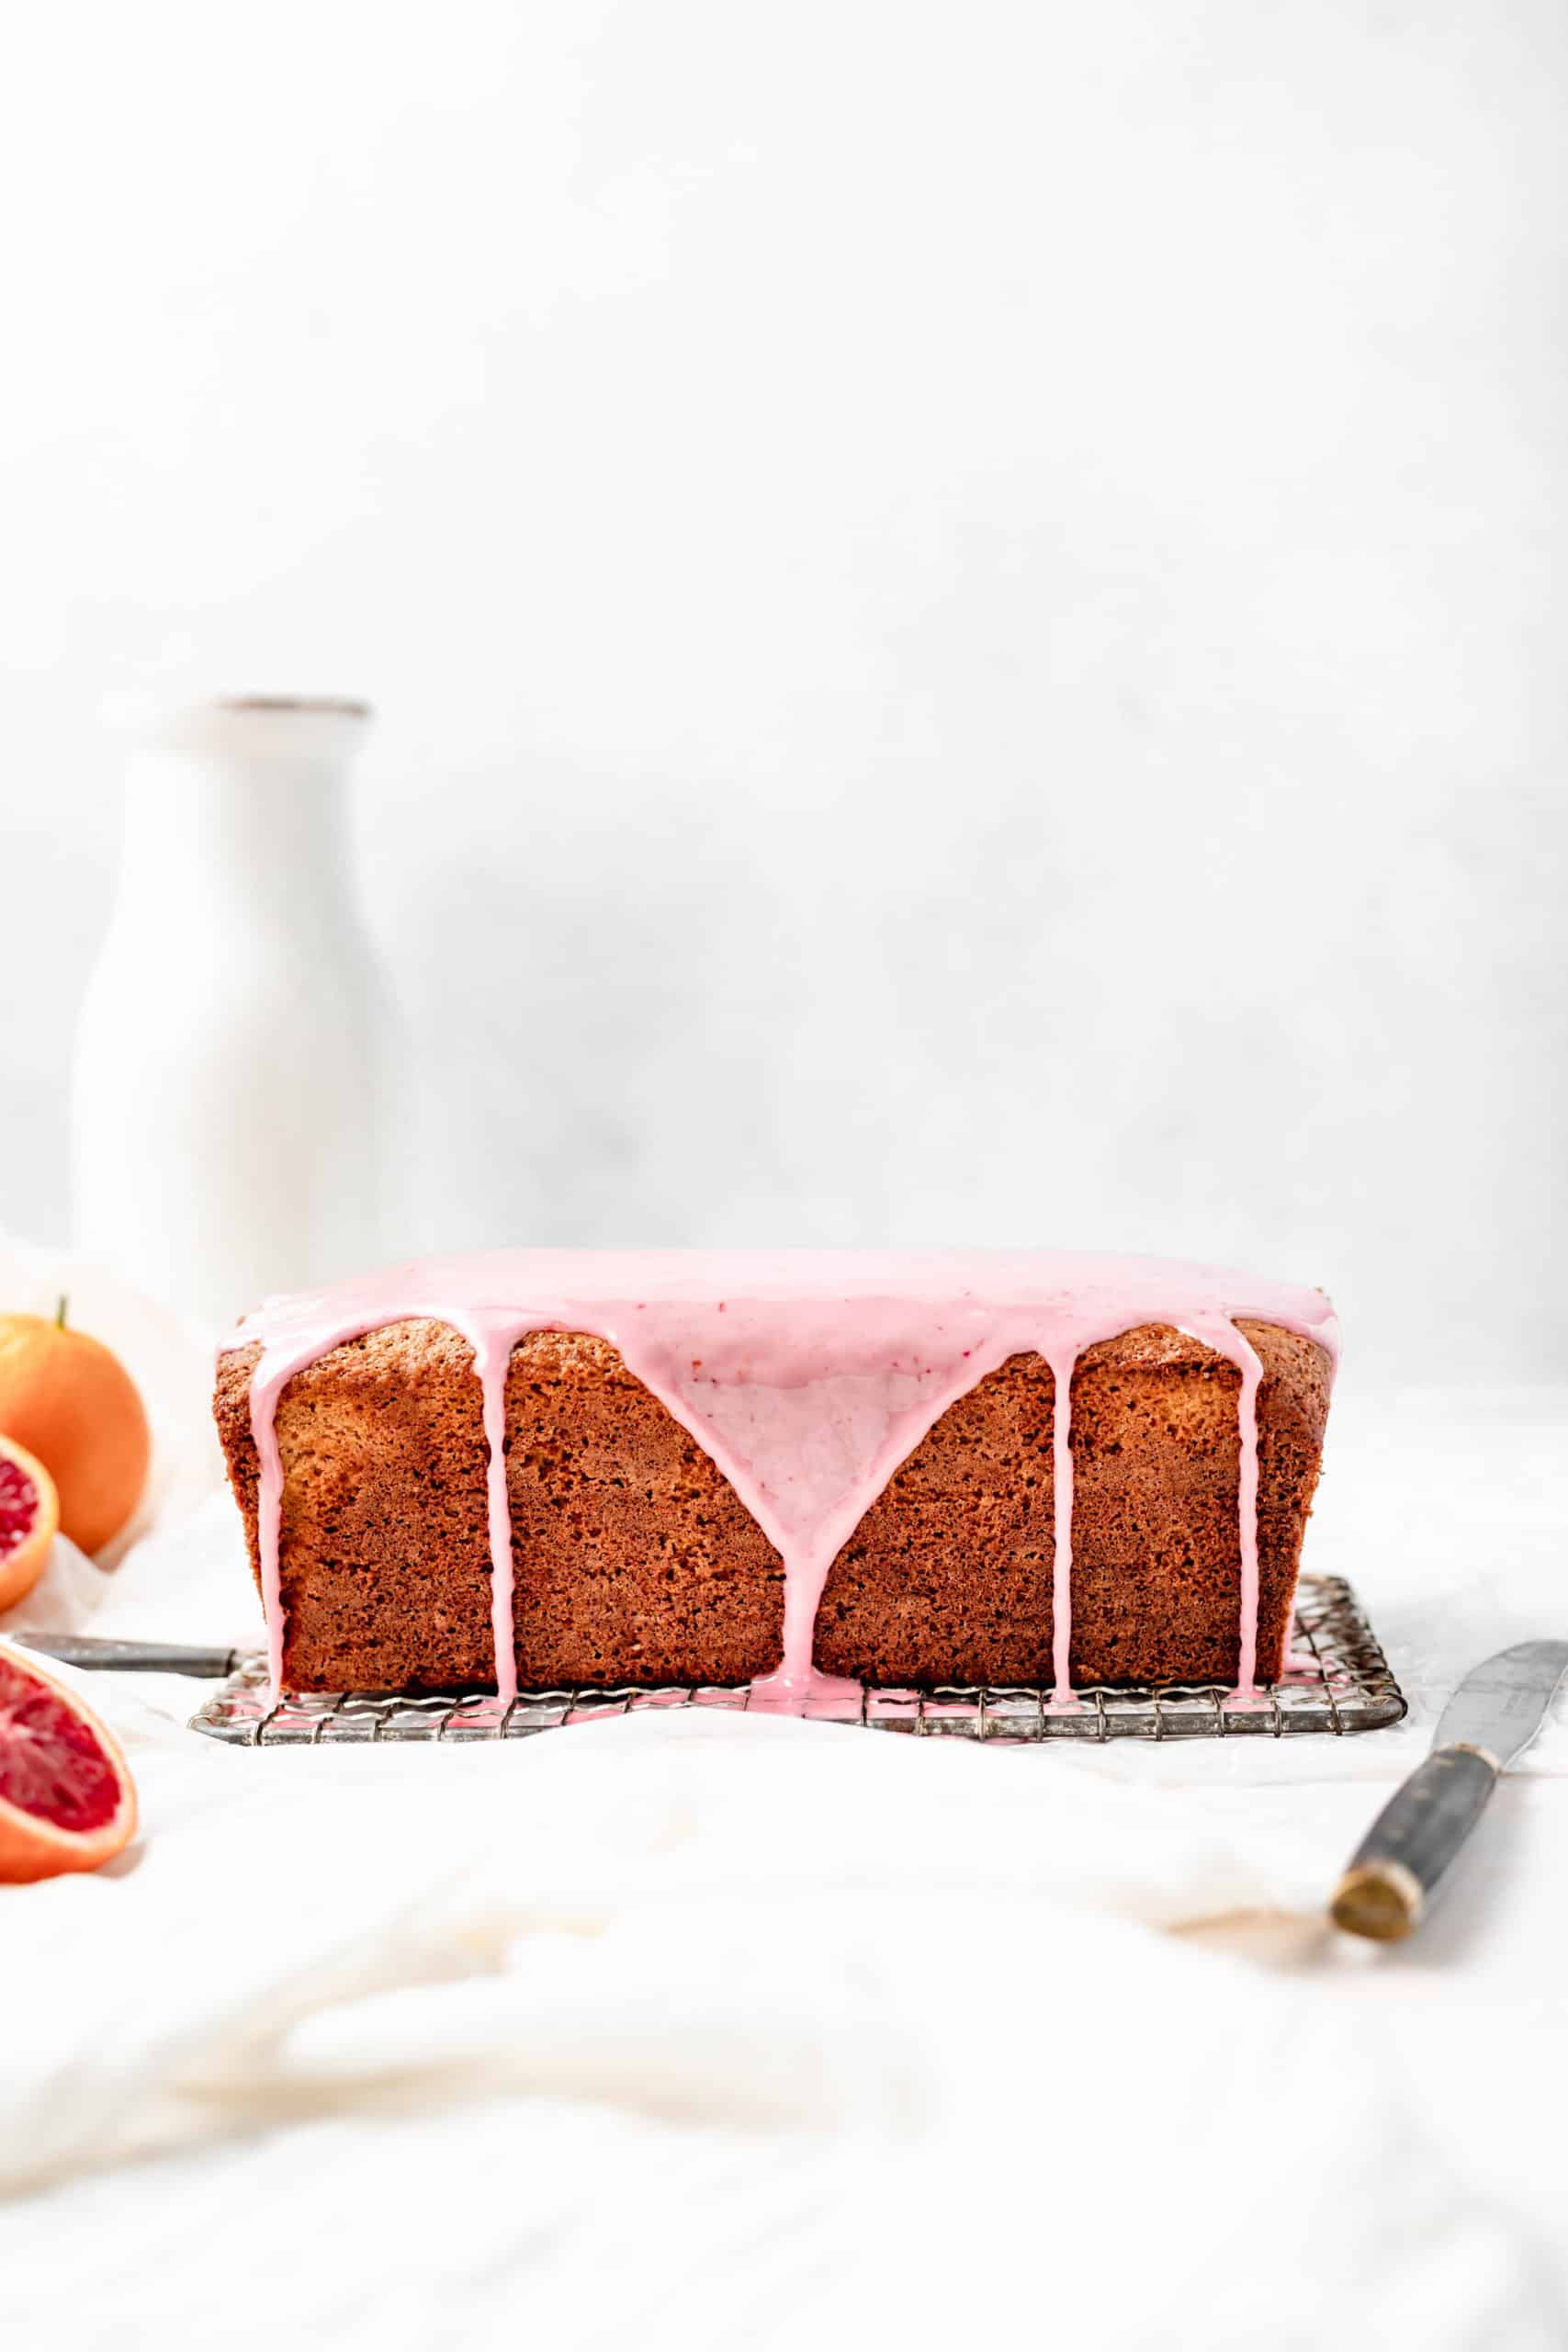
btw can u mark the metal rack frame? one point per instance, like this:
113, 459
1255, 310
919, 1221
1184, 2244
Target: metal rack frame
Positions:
1337, 1682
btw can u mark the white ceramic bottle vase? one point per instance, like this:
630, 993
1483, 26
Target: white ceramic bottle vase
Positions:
225, 1092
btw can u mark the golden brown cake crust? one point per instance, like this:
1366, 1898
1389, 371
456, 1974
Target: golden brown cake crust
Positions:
948, 1577
635, 1561
633, 1558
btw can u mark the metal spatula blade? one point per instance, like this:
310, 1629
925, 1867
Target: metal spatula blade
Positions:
92, 1650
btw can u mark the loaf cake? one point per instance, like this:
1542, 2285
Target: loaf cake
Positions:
790, 1470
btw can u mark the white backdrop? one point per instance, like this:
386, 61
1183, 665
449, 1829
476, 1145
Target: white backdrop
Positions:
966, 602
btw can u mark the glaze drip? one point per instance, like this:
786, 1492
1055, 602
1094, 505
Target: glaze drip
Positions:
493, 1357
1246, 1508
1062, 1362
807, 1377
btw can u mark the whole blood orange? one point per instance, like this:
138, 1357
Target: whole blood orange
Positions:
66, 1398
66, 1801
29, 1514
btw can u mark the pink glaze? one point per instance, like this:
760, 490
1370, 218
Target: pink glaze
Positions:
1246, 1510
1061, 1359
806, 1376
492, 1358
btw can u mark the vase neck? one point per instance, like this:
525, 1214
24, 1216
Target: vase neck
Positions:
236, 806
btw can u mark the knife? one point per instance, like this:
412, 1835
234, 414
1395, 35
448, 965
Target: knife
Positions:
133, 1657
1485, 1727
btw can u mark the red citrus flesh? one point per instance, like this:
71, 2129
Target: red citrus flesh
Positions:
29, 1516
66, 1799
18, 1506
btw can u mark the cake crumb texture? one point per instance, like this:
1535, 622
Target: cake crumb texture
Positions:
633, 1558
635, 1562
948, 1577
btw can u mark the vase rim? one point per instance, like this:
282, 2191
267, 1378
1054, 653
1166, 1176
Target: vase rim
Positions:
310, 705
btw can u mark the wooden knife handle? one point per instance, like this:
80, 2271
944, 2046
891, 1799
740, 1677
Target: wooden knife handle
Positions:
1398, 1864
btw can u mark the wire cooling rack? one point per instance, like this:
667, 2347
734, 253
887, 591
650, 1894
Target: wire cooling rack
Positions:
1336, 1680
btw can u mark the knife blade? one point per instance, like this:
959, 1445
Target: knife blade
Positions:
1485, 1727
209, 1664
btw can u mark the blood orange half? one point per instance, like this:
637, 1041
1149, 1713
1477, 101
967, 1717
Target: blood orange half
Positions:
66, 1799
30, 1515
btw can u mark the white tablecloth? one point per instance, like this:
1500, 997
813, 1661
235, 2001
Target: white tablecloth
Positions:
688, 2030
